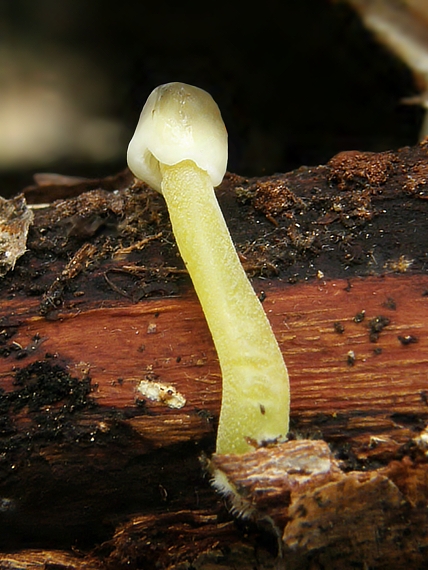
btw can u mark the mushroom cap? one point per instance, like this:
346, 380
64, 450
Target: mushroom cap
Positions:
178, 122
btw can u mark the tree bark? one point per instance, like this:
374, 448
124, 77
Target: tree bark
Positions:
99, 314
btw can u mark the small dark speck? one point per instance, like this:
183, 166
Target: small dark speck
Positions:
21, 354
120, 381
4, 351
206, 415
339, 328
262, 409
376, 326
142, 348
262, 296
425, 293
359, 317
378, 350
50, 355
351, 358
156, 315
390, 304
408, 339
424, 397
302, 511
379, 323
178, 359
318, 499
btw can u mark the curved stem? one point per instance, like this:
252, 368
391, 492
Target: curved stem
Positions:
255, 402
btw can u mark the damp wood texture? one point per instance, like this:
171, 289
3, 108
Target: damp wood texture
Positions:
110, 384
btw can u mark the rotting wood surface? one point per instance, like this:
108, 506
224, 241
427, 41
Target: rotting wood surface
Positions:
101, 302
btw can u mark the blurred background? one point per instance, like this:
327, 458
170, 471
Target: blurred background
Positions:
296, 82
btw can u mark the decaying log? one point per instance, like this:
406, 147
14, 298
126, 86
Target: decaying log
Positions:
111, 386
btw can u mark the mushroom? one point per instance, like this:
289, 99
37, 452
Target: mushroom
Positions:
180, 149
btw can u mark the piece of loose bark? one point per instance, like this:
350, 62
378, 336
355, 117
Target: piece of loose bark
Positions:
100, 309
319, 510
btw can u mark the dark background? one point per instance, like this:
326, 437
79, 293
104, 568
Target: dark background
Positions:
296, 82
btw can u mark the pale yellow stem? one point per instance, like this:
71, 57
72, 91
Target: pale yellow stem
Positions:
255, 402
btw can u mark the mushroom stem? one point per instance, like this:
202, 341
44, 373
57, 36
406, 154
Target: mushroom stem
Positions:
180, 149
255, 399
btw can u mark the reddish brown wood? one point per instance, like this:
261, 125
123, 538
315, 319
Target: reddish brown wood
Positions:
169, 338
